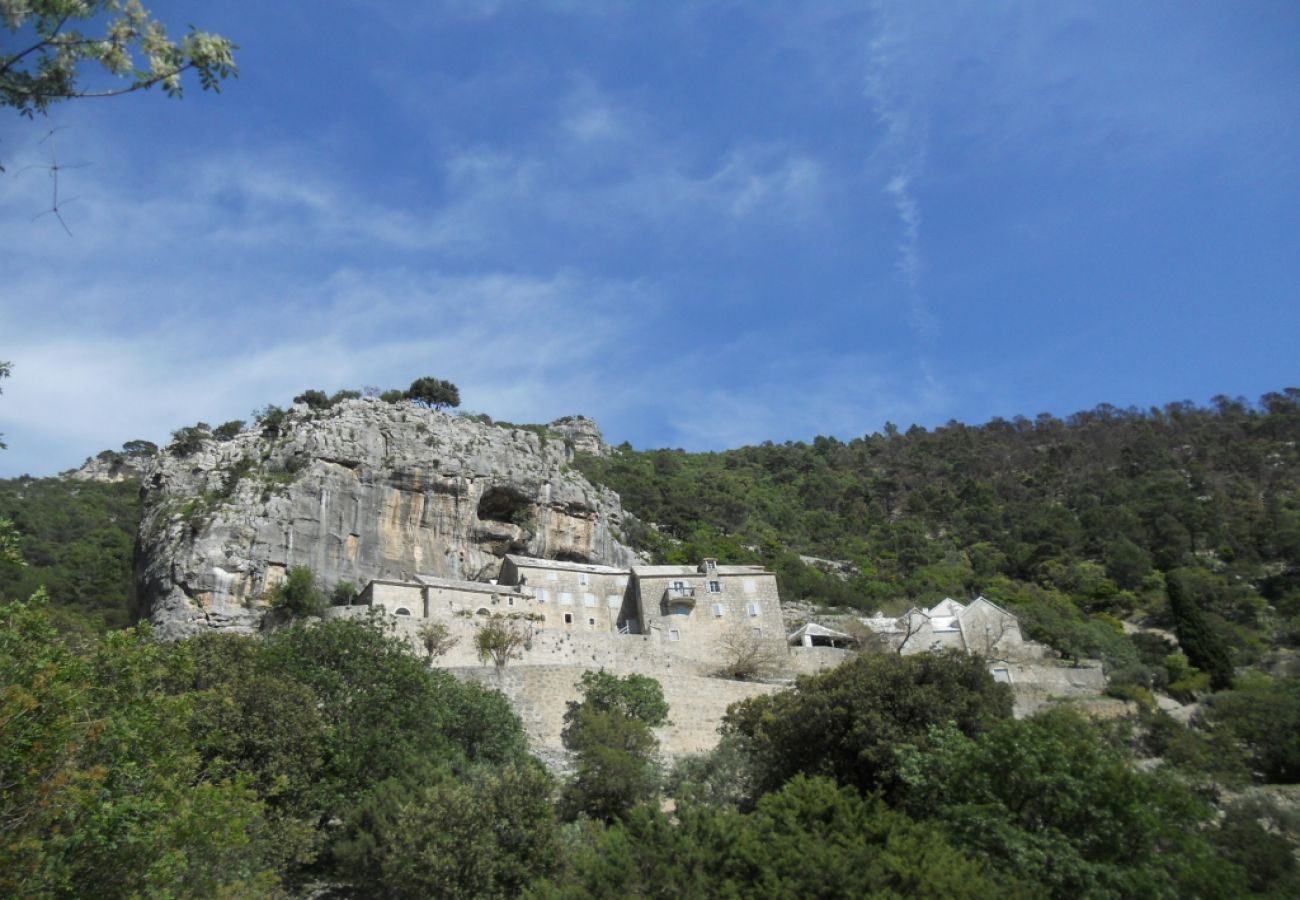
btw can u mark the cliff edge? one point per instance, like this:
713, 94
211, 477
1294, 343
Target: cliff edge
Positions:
366, 489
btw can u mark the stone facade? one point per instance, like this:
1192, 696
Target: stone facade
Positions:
980, 627
573, 596
693, 607
685, 609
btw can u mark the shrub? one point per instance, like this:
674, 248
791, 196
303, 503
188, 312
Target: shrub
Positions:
228, 430
299, 594
313, 399
189, 440
845, 723
499, 641
344, 594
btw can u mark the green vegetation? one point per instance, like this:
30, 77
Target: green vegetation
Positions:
615, 751
329, 753
225, 765
847, 722
76, 539
47, 69
299, 594
433, 392
498, 640
1077, 523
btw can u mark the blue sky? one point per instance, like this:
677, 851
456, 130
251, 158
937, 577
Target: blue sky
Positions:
702, 224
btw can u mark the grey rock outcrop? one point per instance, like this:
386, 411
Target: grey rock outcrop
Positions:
581, 435
365, 490
110, 467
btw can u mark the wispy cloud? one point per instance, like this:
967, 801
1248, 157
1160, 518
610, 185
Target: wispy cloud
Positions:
899, 109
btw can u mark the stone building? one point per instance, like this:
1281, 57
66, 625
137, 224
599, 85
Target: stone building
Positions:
573, 595
688, 609
694, 607
980, 627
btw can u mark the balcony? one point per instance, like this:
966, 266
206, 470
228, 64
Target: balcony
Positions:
679, 595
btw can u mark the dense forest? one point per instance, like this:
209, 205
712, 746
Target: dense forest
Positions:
330, 758
1077, 523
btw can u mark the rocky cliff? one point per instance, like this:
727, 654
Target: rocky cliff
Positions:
364, 490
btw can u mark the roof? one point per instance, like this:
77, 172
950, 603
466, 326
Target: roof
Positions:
694, 571
532, 562
945, 607
816, 630
478, 587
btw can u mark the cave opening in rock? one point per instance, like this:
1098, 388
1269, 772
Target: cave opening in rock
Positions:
572, 556
501, 504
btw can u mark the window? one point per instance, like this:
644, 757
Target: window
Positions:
710, 566
543, 595
679, 585
568, 618
589, 600
717, 610
754, 609
401, 611
715, 587
566, 599
582, 578
510, 601
1002, 675
591, 623
681, 609
674, 634
758, 632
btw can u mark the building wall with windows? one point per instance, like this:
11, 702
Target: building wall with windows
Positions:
692, 607
573, 596
686, 610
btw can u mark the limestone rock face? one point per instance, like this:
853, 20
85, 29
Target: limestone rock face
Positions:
110, 468
365, 490
582, 435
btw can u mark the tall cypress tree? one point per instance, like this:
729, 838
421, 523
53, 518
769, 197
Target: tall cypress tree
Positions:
1204, 648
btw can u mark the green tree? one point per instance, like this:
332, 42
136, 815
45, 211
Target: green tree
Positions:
490, 833
810, 839
615, 751
47, 67
1204, 648
436, 638
189, 440
433, 392
845, 723
228, 431
102, 792
313, 399
299, 594
498, 641
1263, 715
637, 696
384, 708
615, 763
1045, 798
139, 448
